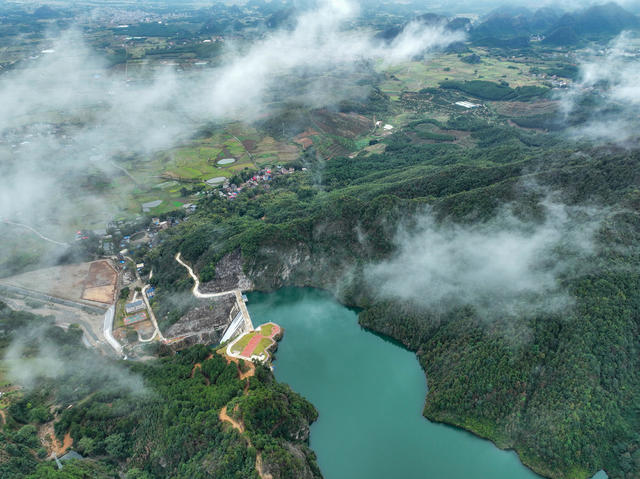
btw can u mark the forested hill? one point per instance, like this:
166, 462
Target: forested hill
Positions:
556, 28
159, 418
560, 386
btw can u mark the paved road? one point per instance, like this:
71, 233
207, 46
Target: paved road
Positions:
107, 330
248, 325
196, 285
152, 316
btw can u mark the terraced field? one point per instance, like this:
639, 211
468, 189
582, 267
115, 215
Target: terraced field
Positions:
165, 175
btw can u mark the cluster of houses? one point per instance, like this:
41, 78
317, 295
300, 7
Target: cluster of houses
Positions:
82, 235
558, 82
554, 80
230, 190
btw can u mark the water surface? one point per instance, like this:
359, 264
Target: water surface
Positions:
369, 393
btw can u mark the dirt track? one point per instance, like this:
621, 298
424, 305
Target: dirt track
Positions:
224, 417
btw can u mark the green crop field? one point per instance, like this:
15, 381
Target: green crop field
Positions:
163, 175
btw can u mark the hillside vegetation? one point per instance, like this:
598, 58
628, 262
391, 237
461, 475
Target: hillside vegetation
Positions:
154, 419
563, 387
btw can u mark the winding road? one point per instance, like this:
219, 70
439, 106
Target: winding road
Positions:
196, 285
33, 230
237, 292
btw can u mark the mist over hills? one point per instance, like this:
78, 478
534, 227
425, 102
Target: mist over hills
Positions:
465, 174
557, 28
516, 26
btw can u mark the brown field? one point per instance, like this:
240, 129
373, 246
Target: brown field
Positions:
101, 294
348, 125
100, 283
304, 139
249, 145
94, 282
519, 108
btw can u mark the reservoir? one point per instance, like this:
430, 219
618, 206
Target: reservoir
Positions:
369, 393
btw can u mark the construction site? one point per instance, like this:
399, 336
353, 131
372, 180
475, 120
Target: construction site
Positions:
73, 294
112, 304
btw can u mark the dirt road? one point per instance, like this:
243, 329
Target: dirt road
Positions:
33, 230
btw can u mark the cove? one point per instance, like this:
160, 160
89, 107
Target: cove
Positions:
369, 393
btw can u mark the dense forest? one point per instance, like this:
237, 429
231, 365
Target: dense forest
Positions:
565, 394
149, 419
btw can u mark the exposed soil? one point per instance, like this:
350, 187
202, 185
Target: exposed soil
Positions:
51, 443
260, 467
250, 372
228, 419
199, 366
223, 416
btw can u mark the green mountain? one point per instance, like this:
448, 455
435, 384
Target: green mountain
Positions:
609, 19
566, 398
594, 22
160, 418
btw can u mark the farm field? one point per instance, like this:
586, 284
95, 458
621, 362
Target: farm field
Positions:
169, 176
414, 76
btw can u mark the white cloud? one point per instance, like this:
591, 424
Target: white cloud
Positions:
502, 267
608, 80
98, 115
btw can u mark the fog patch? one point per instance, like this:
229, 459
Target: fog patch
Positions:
504, 267
34, 356
69, 124
603, 102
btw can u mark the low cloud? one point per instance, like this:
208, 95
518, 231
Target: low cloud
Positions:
603, 103
506, 266
34, 356
67, 117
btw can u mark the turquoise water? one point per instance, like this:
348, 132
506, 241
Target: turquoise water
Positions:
369, 393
